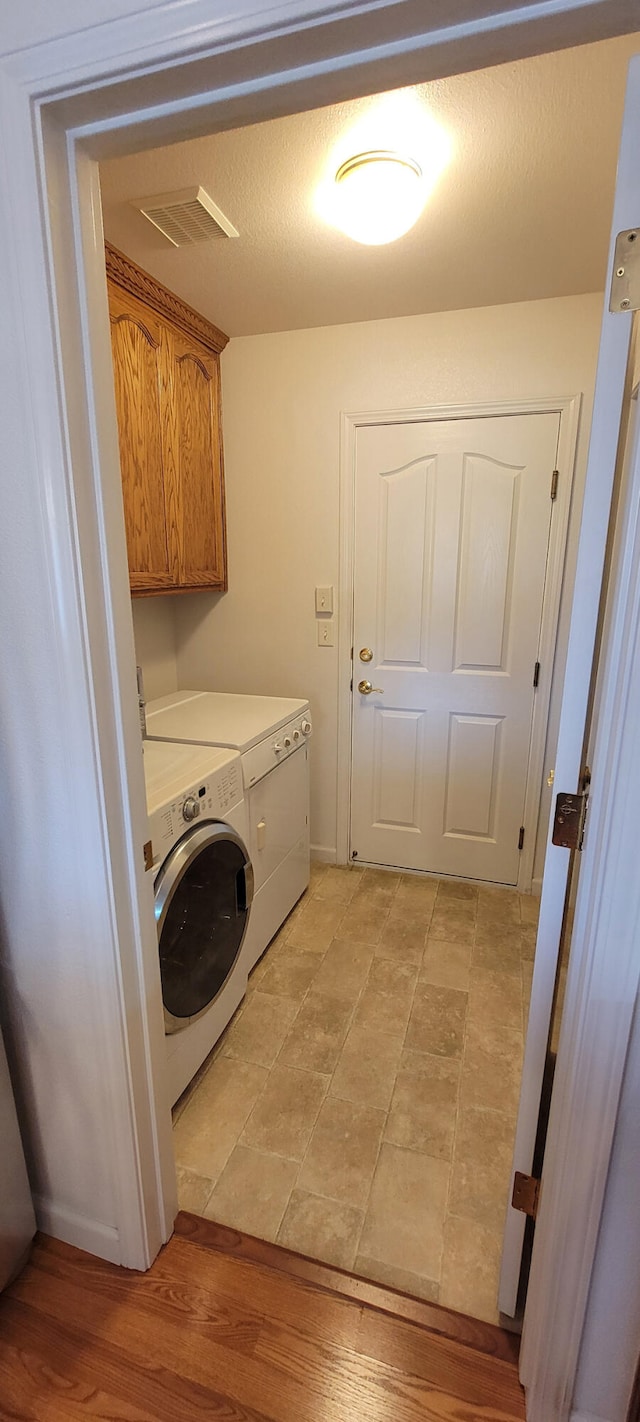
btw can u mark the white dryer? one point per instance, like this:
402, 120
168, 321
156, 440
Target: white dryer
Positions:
203, 891
271, 735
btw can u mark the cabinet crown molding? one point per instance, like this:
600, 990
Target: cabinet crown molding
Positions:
123, 272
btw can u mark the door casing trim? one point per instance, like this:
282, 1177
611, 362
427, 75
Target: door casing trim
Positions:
84, 524
568, 409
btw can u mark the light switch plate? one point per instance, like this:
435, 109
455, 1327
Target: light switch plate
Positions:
324, 600
325, 634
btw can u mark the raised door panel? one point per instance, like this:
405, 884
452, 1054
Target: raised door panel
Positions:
138, 349
406, 499
472, 776
194, 436
395, 735
489, 522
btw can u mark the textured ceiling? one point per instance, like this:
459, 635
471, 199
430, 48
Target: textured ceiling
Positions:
522, 211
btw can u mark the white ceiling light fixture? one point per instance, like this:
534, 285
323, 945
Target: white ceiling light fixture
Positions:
382, 171
381, 195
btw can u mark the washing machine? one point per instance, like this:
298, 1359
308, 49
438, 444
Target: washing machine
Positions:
271, 734
203, 892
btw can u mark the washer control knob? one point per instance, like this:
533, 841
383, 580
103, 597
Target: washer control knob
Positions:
305, 727
277, 746
190, 809
286, 741
296, 735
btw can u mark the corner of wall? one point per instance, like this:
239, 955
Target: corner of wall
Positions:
154, 634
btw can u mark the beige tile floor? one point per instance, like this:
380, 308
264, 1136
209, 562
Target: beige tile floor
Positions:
361, 1105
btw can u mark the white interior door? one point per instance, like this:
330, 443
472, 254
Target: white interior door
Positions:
452, 523
550, 1348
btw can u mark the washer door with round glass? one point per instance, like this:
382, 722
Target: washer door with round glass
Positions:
203, 895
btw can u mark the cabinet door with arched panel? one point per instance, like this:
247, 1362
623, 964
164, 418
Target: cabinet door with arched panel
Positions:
138, 342
166, 362
194, 446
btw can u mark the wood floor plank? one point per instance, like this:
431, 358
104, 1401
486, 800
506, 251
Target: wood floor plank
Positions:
136, 1335
75, 1364
298, 1306
216, 1289
164, 1294
483, 1337
441, 1362
214, 1336
358, 1376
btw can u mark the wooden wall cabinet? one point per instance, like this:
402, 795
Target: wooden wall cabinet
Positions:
166, 364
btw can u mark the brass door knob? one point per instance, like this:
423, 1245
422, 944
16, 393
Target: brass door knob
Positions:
365, 654
365, 688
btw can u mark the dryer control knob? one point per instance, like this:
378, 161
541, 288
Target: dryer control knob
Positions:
277, 747
190, 809
305, 727
286, 741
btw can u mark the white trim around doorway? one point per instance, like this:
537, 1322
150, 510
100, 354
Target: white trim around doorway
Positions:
142, 77
568, 408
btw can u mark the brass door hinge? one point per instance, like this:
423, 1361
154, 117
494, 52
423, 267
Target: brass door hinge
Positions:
521, 837
570, 815
536, 674
147, 850
526, 1194
554, 483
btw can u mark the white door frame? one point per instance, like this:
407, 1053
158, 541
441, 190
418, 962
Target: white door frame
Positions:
570, 1234
602, 990
568, 408
83, 92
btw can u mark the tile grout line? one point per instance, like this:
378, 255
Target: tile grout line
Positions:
388, 1109
303, 999
319, 899
328, 1091
365, 1208
447, 1210
451, 1213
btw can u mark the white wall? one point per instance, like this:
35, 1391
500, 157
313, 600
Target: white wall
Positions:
154, 634
282, 398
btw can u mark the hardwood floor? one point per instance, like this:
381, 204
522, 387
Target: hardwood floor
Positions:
230, 1328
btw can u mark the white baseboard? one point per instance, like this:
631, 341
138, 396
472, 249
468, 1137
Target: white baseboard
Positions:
536, 887
93, 1236
587, 1417
322, 854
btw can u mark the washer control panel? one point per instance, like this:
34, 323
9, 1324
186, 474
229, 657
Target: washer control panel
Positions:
260, 759
208, 799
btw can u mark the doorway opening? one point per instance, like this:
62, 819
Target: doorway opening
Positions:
362, 949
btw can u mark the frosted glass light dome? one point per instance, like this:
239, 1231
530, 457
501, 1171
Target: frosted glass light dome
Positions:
379, 196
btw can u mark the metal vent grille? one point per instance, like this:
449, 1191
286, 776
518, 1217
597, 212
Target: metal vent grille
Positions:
186, 217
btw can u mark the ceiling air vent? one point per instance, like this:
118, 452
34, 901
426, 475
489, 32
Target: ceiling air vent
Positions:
187, 216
